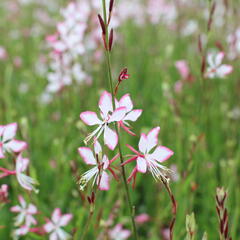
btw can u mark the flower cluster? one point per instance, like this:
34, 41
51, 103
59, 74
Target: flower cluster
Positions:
10, 146
117, 114
26, 222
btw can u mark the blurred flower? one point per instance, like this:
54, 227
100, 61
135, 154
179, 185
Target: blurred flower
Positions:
233, 41
150, 161
3, 53
54, 226
4, 194
234, 113
216, 69
7, 141
166, 233
118, 233
190, 28
98, 172
108, 116
131, 115
175, 176
161, 11
25, 181
26, 212
142, 218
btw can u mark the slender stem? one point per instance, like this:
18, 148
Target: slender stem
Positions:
174, 207
107, 53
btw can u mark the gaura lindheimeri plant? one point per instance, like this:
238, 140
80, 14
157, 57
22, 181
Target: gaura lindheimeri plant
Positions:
148, 159
119, 233
108, 115
117, 113
99, 172
7, 141
54, 226
216, 69
26, 212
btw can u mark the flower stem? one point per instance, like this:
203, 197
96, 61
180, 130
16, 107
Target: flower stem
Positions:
107, 53
174, 206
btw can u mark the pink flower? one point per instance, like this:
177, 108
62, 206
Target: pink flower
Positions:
7, 141
216, 69
108, 116
131, 115
24, 180
142, 218
118, 233
21, 231
3, 53
4, 194
148, 159
98, 172
26, 213
54, 226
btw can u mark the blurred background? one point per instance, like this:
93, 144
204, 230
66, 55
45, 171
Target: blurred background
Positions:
52, 68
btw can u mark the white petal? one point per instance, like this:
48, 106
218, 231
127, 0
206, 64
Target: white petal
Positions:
126, 102
118, 115
110, 138
141, 165
104, 182
133, 115
56, 215
142, 145
15, 146
90, 118
219, 58
224, 70
152, 138
87, 155
161, 154
105, 103
9, 131
65, 219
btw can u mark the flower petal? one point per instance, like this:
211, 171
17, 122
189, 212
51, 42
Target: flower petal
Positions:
141, 165
118, 115
126, 102
90, 118
65, 219
97, 147
110, 138
219, 58
104, 182
32, 209
105, 161
87, 155
9, 131
53, 236
152, 138
48, 227
142, 145
105, 103
56, 215
1, 152
16, 146
21, 163
133, 115
161, 154
224, 70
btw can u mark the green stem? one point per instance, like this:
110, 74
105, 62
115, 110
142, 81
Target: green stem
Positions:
130, 206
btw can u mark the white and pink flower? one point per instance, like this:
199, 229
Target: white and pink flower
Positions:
26, 212
131, 114
119, 233
108, 116
99, 172
54, 226
216, 69
25, 181
148, 159
7, 141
